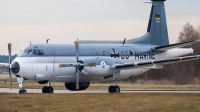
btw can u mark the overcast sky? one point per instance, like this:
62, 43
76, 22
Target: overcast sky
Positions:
22, 21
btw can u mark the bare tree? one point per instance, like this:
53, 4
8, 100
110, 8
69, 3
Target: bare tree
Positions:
188, 33
198, 30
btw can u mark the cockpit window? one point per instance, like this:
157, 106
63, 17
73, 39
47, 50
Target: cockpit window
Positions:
29, 51
42, 52
34, 51
25, 50
39, 52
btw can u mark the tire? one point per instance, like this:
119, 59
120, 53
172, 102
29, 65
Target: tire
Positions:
111, 89
24, 91
20, 91
117, 89
45, 89
50, 89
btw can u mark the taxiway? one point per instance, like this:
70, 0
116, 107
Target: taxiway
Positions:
6, 90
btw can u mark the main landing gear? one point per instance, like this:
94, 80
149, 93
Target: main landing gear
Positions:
47, 89
115, 88
21, 86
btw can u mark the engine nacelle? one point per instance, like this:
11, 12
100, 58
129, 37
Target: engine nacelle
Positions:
72, 86
172, 53
102, 66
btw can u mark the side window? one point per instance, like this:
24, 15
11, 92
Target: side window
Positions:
29, 51
39, 52
34, 51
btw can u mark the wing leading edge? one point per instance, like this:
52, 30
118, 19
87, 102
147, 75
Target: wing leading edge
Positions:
172, 46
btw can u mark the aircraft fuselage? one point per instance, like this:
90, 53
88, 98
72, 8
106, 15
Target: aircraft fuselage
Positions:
40, 62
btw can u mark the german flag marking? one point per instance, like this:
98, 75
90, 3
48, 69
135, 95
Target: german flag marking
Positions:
157, 17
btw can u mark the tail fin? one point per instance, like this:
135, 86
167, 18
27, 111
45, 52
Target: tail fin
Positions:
157, 33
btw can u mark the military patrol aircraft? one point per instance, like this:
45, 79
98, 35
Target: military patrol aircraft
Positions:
86, 61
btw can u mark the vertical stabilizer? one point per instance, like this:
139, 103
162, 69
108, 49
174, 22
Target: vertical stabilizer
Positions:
157, 33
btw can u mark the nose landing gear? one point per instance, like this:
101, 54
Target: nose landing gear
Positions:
21, 86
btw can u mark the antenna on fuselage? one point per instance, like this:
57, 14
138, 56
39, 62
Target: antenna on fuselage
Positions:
47, 41
30, 42
124, 41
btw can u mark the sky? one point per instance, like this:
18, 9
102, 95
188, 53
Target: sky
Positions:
64, 21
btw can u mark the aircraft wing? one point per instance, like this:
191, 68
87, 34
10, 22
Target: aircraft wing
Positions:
171, 46
4, 65
155, 62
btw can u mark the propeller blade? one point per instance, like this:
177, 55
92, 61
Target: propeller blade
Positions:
10, 79
77, 78
10, 74
77, 65
77, 49
89, 64
66, 65
9, 52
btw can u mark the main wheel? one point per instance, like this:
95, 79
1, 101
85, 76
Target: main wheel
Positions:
45, 89
50, 89
111, 89
117, 89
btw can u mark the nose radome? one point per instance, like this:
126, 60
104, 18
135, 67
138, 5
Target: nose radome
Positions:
15, 67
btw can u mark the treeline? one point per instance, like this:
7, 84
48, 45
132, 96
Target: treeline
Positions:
5, 59
178, 73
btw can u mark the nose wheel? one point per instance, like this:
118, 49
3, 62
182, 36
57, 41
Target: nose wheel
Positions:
22, 91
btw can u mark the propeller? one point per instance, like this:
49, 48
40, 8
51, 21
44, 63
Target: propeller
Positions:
10, 73
77, 65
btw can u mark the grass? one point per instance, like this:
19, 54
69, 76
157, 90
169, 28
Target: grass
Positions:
99, 102
123, 102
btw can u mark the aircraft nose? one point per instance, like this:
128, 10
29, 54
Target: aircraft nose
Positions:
15, 67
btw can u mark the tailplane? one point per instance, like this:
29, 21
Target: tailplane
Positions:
157, 33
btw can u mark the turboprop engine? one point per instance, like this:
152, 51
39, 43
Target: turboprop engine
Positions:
92, 66
174, 53
102, 66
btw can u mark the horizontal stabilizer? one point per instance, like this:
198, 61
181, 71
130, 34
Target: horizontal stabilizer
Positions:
172, 46
159, 62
